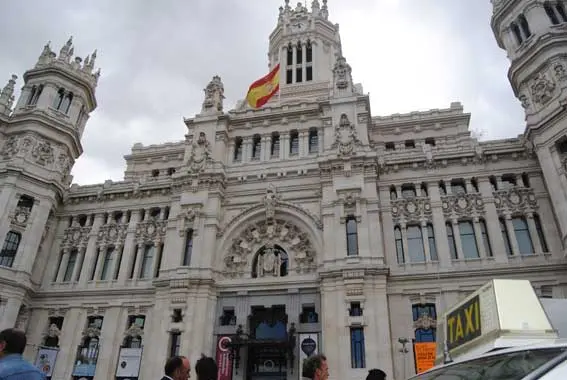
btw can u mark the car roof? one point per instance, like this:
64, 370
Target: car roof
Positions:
524, 347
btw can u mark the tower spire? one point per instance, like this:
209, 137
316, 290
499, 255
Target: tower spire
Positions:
7, 96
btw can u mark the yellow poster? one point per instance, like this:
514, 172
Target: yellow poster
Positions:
424, 356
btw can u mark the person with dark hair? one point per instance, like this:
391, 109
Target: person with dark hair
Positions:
315, 368
206, 368
12, 364
376, 374
177, 368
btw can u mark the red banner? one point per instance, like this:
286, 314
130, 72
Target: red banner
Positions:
224, 362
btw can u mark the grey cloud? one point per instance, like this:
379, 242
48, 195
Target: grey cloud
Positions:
156, 58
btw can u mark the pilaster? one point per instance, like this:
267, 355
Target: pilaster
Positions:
90, 258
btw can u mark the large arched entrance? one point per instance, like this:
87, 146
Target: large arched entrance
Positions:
267, 261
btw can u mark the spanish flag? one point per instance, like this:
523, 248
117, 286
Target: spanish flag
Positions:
264, 88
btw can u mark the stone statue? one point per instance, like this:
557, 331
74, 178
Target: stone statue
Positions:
214, 96
200, 152
342, 74
270, 200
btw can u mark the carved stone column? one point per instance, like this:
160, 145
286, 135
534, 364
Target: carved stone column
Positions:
90, 254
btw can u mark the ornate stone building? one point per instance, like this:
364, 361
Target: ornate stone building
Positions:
309, 223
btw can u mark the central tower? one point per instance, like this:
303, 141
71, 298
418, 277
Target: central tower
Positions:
306, 45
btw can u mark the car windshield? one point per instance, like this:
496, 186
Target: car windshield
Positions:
510, 366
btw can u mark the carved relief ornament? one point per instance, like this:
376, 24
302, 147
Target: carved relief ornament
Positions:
214, 96
200, 154
462, 205
542, 89
263, 233
346, 137
515, 200
411, 210
189, 219
151, 231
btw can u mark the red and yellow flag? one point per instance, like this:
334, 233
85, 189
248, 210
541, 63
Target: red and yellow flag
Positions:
264, 88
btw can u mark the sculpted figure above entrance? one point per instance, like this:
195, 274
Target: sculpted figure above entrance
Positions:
270, 248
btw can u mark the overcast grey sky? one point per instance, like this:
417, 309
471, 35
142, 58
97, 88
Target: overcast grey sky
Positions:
157, 56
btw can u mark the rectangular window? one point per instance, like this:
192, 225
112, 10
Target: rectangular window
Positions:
107, 264
147, 261
93, 270
118, 263
308, 73
158, 258
357, 350
289, 76
289, 56
299, 54
174, 343
351, 236
355, 309
133, 268
298, 75
188, 248
308, 314
10, 248
70, 266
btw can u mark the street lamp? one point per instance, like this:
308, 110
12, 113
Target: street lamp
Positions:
404, 350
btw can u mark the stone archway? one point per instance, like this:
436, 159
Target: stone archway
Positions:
243, 251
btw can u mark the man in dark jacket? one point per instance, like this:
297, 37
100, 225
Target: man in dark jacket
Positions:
206, 368
177, 368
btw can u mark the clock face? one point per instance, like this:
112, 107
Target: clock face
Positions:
296, 27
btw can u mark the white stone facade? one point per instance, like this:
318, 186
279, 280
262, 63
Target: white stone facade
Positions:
346, 219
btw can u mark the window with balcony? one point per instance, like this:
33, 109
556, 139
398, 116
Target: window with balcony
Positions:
355, 309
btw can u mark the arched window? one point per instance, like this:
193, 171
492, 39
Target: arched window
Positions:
451, 240
561, 11
270, 261
485, 239
416, 252
399, 244
468, 240
517, 33
66, 104
58, 100
523, 237
32, 95
351, 236
550, 13
524, 26
10, 248
506, 237
431, 241
540, 233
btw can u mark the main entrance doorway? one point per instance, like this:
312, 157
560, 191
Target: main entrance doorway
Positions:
270, 349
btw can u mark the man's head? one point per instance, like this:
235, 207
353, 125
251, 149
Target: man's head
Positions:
206, 368
376, 374
177, 368
12, 341
315, 367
